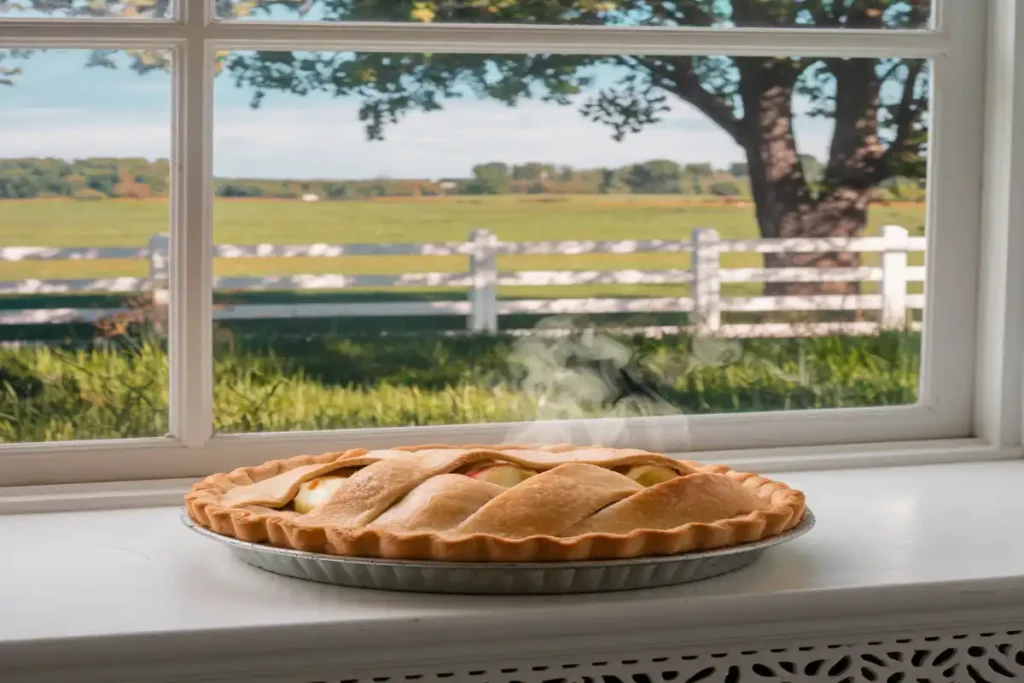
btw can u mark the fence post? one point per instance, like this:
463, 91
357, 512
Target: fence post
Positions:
483, 286
894, 278
159, 276
706, 288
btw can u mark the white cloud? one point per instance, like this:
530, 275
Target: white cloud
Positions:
75, 132
326, 140
329, 141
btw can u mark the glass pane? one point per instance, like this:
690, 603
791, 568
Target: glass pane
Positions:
877, 14
88, 9
83, 196
363, 225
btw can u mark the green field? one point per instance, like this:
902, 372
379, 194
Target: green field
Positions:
514, 218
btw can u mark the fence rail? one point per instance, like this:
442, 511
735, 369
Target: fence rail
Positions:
483, 308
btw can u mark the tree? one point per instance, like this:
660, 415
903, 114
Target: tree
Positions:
878, 105
492, 178
660, 176
814, 170
724, 188
533, 170
738, 169
610, 180
696, 176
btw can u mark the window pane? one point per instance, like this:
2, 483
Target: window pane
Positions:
89, 9
693, 13
362, 223
83, 196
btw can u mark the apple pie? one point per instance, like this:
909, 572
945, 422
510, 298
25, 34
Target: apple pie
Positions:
508, 503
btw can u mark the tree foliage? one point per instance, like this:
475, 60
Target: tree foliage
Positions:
878, 105
83, 178
393, 85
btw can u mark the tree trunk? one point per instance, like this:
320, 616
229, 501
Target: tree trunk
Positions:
843, 216
786, 205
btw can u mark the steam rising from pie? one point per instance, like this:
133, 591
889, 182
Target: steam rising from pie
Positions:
587, 374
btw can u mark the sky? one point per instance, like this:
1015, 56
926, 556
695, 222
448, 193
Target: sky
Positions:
60, 108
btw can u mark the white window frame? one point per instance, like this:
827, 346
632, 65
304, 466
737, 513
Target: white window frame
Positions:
970, 397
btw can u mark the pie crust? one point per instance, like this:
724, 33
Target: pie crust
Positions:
416, 502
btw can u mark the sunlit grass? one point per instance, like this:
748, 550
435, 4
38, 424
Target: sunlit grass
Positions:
120, 390
514, 218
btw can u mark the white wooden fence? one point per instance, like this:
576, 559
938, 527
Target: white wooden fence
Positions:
482, 279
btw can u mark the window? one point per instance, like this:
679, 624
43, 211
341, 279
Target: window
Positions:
775, 169
97, 377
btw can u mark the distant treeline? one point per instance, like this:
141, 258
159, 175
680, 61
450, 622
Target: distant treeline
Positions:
83, 178
101, 178
652, 177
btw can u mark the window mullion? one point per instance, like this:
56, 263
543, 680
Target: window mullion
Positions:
513, 38
191, 280
953, 209
89, 33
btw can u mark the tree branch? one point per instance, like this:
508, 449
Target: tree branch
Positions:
696, 13
685, 84
907, 112
683, 13
824, 13
904, 119
712, 106
866, 14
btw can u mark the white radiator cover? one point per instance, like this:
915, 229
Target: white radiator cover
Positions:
961, 655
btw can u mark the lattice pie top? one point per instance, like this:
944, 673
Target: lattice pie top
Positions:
493, 503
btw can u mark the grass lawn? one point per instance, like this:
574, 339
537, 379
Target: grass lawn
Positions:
337, 382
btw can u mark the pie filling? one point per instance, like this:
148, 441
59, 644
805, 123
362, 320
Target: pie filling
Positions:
317, 492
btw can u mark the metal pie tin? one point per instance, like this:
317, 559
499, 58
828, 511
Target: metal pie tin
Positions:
487, 578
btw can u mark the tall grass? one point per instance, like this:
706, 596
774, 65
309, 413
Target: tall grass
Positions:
106, 392
120, 389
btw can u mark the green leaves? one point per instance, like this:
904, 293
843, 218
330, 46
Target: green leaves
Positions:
628, 106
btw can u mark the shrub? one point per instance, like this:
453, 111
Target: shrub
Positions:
724, 188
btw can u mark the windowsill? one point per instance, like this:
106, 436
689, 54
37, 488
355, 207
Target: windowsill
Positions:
101, 593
